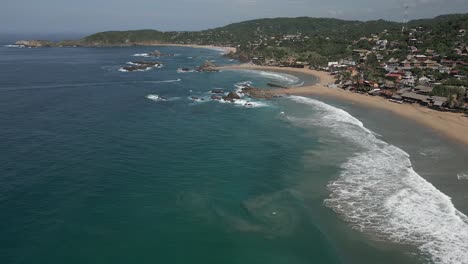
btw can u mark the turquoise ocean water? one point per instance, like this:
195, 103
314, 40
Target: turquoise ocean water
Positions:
98, 165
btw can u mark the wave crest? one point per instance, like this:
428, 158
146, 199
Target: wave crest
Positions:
284, 78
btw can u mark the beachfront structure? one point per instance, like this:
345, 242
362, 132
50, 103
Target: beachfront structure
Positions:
424, 90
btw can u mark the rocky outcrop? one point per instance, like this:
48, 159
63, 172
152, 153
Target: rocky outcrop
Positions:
35, 43
141, 66
155, 53
258, 93
241, 56
208, 66
231, 97
217, 91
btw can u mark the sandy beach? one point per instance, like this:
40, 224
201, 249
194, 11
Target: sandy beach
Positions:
224, 49
451, 125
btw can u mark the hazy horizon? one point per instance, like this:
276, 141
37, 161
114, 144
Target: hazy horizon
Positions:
26, 17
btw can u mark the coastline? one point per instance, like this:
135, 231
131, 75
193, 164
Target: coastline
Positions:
451, 125
225, 49
45, 43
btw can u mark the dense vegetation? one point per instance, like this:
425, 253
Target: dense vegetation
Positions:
314, 40
124, 37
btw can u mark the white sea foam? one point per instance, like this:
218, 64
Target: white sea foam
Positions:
15, 46
180, 70
462, 175
378, 192
156, 98
199, 99
139, 70
242, 85
246, 103
141, 55
157, 66
286, 79
222, 51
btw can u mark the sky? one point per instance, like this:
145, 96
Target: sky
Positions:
90, 16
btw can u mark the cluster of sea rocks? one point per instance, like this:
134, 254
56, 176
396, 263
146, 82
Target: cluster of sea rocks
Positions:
207, 66
237, 96
142, 66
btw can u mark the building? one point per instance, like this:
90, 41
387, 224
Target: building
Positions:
422, 89
416, 98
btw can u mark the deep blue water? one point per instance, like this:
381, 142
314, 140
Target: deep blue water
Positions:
93, 171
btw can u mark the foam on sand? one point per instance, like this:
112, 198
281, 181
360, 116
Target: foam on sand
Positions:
378, 192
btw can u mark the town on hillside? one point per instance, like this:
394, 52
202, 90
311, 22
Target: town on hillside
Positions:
399, 70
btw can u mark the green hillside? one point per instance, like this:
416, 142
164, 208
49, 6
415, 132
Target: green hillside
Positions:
125, 37
315, 40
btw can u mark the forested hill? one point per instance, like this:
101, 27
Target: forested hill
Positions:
126, 37
248, 31
314, 40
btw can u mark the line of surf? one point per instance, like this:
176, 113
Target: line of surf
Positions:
379, 192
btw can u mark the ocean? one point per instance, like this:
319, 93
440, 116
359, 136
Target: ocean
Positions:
100, 165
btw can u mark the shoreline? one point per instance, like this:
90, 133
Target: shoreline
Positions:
451, 125
49, 44
225, 49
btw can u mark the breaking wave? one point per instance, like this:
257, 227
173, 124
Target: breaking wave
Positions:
283, 78
139, 70
14, 46
180, 70
157, 98
378, 192
246, 103
141, 55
